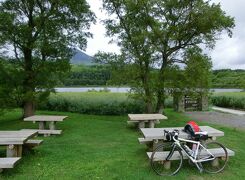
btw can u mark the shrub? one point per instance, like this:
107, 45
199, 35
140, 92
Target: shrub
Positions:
99, 103
229, 102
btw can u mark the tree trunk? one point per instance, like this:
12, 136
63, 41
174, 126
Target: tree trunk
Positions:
28, 84
160, 102
161, 87
29, 109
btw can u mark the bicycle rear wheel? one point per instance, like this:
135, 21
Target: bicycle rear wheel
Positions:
219, 152
163, 166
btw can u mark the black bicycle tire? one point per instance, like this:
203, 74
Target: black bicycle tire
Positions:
152, 162
225, 161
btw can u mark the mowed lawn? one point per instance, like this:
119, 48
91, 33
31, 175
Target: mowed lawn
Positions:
103, 147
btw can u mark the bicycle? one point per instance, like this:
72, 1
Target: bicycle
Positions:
167, 159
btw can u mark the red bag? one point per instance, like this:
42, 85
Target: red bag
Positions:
191, 127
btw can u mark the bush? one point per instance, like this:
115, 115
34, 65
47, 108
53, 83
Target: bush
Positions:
98, 103
229, 102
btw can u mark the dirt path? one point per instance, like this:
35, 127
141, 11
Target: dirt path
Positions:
219, 118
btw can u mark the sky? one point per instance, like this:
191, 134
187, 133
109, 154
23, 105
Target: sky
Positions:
227, 54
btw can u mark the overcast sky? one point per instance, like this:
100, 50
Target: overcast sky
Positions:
228, 52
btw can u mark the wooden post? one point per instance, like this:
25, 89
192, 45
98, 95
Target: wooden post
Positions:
52, 125
141, 124
167, 164
19, 150
1, 170
12, 151
151, 124
42, 125
215, 162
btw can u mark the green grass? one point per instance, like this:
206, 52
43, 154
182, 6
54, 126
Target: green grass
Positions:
235, 94
103, 147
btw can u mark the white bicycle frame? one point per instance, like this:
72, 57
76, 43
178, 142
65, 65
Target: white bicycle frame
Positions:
193, 158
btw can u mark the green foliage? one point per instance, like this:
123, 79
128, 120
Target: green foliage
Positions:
88, 75
39, 35
229, 100
227, 78
102, 103
163, 33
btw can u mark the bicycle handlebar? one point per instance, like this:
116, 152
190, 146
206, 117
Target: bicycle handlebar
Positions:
173, 135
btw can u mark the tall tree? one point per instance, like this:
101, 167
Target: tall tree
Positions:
39, 34
131, 28
161, 31
177, 25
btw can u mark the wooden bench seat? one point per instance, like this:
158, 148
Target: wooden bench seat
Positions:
218, 152
6, 163
31, 143
45, 131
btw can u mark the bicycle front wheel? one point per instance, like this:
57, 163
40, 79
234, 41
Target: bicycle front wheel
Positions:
219, 153
163, 166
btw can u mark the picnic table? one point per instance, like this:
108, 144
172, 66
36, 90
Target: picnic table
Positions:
141, 119
14, 141
154, 136
43, 120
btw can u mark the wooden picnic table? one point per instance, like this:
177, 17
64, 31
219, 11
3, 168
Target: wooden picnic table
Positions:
14, 141
141, 119
156, 135
43, 119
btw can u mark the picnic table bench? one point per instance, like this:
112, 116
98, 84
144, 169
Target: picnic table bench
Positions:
141, 119
42, 120
6, 163
14, 141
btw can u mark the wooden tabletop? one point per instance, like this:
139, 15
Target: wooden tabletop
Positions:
158, 133
15, 137
145, 117
45, 118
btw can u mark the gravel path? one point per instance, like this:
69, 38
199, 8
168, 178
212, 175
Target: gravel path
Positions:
219, 118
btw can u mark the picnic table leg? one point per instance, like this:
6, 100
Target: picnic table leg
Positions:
215, 162
52, 125
42, 125
151, 124
167, 164
12, 151
156, 143
19, 150
141, 124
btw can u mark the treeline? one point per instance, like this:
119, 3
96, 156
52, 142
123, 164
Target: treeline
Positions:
227, 78
88, 75
101, 75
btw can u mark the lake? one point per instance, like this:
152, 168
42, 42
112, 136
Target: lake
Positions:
122, 89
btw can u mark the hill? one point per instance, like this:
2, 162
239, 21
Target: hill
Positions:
80, 57
227, 78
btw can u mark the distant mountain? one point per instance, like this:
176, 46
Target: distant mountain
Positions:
80, 57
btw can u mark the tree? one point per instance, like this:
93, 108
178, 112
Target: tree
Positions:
158, 32
40, 34
135, 47
177, 25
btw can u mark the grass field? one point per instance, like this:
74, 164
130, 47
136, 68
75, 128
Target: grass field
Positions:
103, 147
235, 94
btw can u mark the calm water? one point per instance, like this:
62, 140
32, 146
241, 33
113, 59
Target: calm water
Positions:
123, 89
